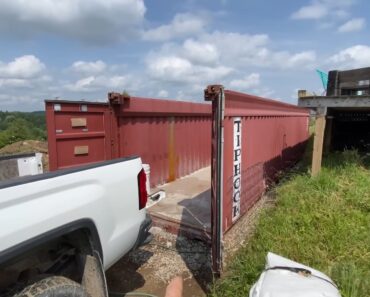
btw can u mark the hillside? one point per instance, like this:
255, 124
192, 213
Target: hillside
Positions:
18, 126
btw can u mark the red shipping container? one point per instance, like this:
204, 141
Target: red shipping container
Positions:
161, 132
261, 138
253, 139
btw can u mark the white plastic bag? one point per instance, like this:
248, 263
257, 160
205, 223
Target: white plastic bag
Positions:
286, 278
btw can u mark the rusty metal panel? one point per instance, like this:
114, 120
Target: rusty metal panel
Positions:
78, 133
149, 138
173, 137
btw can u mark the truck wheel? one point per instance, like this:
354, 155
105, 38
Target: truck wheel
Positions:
55, 286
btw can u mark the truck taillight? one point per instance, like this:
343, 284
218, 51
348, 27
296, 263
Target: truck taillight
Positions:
143, 194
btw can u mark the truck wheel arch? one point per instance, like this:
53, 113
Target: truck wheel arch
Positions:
87, 225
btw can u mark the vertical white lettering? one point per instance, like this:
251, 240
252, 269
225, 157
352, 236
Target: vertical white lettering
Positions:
237, 162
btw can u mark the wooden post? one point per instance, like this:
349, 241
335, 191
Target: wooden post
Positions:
318, 142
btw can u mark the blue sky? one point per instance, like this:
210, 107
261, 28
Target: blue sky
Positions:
83, 49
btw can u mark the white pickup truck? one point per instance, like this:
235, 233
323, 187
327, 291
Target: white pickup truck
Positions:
59, 231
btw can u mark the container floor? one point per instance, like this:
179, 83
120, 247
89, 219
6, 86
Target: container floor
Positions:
186, 209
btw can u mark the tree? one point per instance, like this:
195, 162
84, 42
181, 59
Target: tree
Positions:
17, 126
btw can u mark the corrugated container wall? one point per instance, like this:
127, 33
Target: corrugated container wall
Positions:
172, 136
161, 132
260, 137
269, 136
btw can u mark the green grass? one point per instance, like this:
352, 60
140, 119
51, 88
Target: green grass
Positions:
323, 222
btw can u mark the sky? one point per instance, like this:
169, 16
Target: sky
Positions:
83, 49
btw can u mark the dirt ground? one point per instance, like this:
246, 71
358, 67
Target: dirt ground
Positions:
28, 146
150, 268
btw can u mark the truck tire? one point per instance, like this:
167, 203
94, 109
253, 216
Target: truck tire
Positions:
55, 286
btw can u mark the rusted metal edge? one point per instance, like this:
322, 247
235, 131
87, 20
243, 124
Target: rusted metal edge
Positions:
65, 101
212, 92
215, 93
117, 98
261, 102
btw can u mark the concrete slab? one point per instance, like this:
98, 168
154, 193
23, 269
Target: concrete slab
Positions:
187, 205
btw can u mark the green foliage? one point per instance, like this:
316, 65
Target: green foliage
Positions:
17, 126
323, 222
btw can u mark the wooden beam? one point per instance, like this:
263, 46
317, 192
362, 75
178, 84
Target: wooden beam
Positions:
335, 101
318, 144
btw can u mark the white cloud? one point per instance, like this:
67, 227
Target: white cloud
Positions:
182, 67
306, 58
356, 24
250, 84
23, 72
19, 101
163, 94
353, 57
192, 64
172, 68
182, 25
313, 11
22, 67
265, 92
23, 83
319, 9
200, 52
97, 76
235, 46
14, 82
93, 21
249, 81
24, 89
254, 50
83, 84
89, 67
97, 83
34, 82
180, 70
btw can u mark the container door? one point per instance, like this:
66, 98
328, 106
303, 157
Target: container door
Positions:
216, 95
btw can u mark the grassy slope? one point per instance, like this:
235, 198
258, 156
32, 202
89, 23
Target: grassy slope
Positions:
323, 222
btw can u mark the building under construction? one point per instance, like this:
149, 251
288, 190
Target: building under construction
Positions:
343, 115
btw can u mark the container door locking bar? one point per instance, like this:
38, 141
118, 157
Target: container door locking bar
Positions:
215, 93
